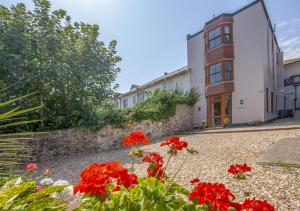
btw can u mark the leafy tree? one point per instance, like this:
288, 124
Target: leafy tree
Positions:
65, 62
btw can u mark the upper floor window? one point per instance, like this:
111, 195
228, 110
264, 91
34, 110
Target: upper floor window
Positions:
214, 37
227, 34
215, 73
220, 72
169, 86
227, 67
220, 35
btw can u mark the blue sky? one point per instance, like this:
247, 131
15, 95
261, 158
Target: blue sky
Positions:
151, 34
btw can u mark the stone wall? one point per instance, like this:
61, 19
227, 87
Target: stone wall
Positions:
71, 142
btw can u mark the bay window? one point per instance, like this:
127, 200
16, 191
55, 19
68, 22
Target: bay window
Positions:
220, 35
219, 72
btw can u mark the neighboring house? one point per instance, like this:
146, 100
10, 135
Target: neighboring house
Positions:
292, 84
236, 65
169, 81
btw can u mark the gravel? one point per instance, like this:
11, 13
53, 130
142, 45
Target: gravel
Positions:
278, 185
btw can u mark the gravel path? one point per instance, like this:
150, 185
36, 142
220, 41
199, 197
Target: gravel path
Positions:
278, 185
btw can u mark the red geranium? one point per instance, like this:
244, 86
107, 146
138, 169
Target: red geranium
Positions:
96, 177
175, 144
155, 168
134, 138
31, 166
195, 181
152, 157
239, 169
256, 205
216, 196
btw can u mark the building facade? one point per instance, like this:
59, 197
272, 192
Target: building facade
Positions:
292, 84
236, 65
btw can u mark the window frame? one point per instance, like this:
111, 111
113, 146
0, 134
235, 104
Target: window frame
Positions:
222, 72
229, 33
215, 37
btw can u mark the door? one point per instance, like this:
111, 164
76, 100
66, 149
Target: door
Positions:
216, 114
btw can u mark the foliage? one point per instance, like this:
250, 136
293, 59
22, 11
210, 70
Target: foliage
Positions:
13, 144
159, 105
108, 187
65, 62
20, 194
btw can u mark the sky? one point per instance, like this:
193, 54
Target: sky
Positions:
151, 34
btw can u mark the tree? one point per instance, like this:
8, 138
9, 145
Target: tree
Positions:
72, 71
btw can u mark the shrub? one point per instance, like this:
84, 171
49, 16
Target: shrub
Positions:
158, 105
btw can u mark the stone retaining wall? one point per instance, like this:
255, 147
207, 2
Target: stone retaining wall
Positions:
71, 141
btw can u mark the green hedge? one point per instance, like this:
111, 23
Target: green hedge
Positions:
159, 105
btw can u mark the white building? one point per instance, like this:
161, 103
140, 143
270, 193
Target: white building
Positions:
236, 65
292, 84
169, 81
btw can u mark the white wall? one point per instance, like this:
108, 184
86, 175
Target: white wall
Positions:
182, 81
253, 71
195, 51
291, 70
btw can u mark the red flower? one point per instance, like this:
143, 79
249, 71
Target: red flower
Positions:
239, 169
47, 171
38, 188
256, 205
152, 157
216, 196
175, 144
96, 177
31, 166
195, 180
134, 138
156, 171
155, 168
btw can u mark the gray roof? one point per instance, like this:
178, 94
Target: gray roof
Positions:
166, 76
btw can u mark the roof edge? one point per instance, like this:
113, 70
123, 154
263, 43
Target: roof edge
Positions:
182, 70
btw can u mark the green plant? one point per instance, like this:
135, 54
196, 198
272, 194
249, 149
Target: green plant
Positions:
12, 142
21, 194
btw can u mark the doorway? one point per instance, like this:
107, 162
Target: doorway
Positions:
216, 111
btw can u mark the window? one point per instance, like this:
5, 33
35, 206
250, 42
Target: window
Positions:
134, 99
169, 86
267, 99
272, 102
140, 97
125, 103
227, 34
219, 72
227, 67
214, 37
215, 73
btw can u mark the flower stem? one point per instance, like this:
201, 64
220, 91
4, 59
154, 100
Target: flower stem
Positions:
132, 164
168, 161
180, 167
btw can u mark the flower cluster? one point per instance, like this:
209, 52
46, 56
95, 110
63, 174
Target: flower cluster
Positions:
215, 195
96, 178
254, 204
155, 168
175, 144
238, 170
134, 138
31, 166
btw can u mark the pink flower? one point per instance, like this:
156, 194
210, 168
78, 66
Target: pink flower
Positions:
47, 171
31, 166
38, 188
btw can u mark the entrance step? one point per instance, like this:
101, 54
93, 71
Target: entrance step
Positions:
297, 114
